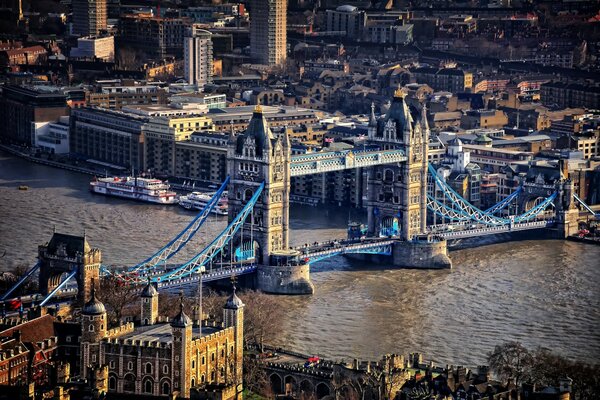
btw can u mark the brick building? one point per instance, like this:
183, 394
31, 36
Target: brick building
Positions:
21, 108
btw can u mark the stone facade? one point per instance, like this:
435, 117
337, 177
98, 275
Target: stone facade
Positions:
162, 357
65, 254
397, 195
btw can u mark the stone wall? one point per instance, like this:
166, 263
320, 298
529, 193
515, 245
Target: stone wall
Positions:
421, 254
285, 279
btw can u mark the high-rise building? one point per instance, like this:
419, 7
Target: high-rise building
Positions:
89, 17
198, 57
268, 36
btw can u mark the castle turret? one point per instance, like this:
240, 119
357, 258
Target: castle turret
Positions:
93, 330
181, 326
149, 303
233, 316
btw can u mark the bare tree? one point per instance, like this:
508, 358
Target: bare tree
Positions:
511, 360
255, 377
12, 276
120, 298
262, 318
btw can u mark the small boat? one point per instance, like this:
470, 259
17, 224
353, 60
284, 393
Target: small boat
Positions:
23, 187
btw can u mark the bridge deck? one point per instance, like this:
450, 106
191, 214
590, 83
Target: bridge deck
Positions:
313, 163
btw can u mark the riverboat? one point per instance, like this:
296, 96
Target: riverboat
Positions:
134, 188
198, 200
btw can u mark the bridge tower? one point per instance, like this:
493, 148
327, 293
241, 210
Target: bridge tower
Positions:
566, 213
397, 194
257, 156
64, 254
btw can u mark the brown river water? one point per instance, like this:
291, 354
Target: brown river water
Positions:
540, 292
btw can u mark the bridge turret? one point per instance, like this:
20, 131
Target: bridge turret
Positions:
396, 201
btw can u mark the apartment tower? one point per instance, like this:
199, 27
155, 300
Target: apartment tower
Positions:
198, 57
268, 37
89, 17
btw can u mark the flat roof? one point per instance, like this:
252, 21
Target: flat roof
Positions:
162, 333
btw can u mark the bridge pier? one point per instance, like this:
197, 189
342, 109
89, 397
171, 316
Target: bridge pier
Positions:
422, 252
567, 223
287, 273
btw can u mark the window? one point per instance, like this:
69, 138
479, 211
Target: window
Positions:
166, 389
193, 364
165, 369
203, 360
93, 358
148, 368
91, 328
130, 366
212, 357
148, 386
111, 364
112, 383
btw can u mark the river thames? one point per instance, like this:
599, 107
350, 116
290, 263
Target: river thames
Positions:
540, 292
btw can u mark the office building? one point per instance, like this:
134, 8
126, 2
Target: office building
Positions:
268, 36
198, 57
89, 17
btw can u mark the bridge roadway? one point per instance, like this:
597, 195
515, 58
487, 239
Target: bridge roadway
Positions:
318, 251
489, 230
314, 163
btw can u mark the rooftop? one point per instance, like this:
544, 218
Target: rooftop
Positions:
162, 333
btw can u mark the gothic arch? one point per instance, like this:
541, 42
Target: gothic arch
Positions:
290, 385
112, 381
129, 383
276, 383
165, 387
306, 386
322, 390
148, 385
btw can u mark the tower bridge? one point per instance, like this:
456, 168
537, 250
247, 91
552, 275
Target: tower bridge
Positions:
256, 239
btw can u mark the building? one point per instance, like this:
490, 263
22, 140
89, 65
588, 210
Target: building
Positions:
118, 96
347, 19
108, 136
198, 57
100, 48
202, 157
236, 118
268, 31
162, 357
389, 34
157, 37
453, 80
32, 55
89, 17
474, 119
52, 137
162, 133
566, 95
23, 107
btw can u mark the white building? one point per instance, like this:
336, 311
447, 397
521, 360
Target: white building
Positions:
52, 137
198, 57
102, 48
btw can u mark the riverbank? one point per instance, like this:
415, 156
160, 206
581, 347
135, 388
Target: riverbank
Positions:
56, 164
587, 240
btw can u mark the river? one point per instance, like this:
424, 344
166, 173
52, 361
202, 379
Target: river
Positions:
540, 292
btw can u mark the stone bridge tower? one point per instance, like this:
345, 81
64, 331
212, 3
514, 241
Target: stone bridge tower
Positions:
397, 194
254, 157
64, 254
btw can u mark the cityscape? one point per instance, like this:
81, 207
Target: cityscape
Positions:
299, 199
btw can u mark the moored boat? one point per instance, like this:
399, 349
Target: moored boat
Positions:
142, 189
198, 200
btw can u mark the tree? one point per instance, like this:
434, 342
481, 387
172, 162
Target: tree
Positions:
118, 296
263, 317
511, 360
548, 369
255, 377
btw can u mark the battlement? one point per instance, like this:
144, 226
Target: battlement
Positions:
224, 333
120, 330
154, 344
